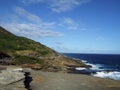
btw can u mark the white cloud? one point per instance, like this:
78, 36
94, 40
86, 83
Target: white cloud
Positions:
70, 23
32, 18
58, 5
59, 46
26, 2
30, 30
63, 5
22, 12
66, 5
32, 26
24, 23
48, 25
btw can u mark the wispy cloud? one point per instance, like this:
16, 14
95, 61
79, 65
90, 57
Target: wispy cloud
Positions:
66, 5
63, 5
27, 2
70, 23
59, 46
58, 5
27, 24
67, 22
22, 12
24, 23
30, 30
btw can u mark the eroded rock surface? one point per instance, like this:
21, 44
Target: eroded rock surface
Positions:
12, 78
11, 75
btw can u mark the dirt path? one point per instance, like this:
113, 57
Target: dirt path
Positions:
63, 81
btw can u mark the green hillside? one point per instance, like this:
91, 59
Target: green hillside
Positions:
21, 48
24, 51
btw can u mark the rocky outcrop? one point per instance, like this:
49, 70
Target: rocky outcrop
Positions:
61, 63
13, 78
11, 75
4, 58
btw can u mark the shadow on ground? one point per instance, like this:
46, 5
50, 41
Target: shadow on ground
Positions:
27, 81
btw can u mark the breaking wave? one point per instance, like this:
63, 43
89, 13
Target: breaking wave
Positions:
104, 74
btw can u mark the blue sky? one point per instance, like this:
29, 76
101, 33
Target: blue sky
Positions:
75, 26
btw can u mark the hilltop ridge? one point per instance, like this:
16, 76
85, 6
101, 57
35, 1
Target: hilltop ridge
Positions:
2, 30
29, 53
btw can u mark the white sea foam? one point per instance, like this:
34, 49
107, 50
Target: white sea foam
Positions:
113, 75
100, 71
79, 68
94, 66
84, 61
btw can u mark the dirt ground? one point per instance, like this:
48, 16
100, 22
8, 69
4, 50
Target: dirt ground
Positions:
64, 81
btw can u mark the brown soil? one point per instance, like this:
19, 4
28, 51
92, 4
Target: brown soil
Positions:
64, 81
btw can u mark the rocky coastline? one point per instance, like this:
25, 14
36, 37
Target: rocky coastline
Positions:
17, 78
29, 65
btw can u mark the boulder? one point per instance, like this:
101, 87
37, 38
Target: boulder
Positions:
11, 75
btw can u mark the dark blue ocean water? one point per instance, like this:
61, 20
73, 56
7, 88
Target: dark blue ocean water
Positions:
101, 63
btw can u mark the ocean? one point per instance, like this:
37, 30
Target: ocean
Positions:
104, 65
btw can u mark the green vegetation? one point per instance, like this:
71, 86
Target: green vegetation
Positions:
21, 49
28, 53
27, 60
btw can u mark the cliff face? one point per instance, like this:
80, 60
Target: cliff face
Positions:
26, 52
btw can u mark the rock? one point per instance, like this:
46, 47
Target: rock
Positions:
33, 66
11, 75
36, 67
2, 68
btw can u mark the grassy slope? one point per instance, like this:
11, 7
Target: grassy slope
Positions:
26, 51
21, 49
